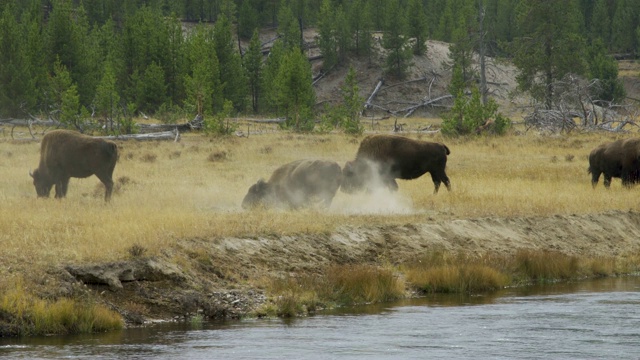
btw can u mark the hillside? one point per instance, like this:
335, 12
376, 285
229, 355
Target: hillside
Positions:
397, 95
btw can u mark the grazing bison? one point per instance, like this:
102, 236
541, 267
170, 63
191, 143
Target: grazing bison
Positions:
65, 154
297, 184
385, 158
619, 159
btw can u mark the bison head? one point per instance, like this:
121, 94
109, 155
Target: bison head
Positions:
257, 194
42, 183
354, 176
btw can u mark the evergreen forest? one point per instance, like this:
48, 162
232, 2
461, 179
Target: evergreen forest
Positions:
84, 62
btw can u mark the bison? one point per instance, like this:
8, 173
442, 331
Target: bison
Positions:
65, 154
385, 158
619, 159
297, 184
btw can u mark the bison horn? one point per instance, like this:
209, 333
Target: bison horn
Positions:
30, 173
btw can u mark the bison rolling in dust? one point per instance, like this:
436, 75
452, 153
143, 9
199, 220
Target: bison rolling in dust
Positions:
619, 159
65, 154
383, 158
297, 184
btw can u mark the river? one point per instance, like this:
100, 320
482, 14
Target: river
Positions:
585, 320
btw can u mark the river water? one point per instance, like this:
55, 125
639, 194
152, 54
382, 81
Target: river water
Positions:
587, 320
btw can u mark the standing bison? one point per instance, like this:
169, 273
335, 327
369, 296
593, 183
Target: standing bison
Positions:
619, 159
385, 158
65, 154
297, 184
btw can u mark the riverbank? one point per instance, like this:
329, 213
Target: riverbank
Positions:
212, 278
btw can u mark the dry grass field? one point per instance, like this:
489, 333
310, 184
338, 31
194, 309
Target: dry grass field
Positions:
193, 189
180, 201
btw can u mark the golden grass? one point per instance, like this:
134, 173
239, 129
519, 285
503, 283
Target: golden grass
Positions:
339, 285
198, 192
548, 265
32, 316
443, 272
357, 284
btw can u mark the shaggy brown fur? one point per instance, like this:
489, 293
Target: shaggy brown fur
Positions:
297, 184
389, 157
619, 159
65, 154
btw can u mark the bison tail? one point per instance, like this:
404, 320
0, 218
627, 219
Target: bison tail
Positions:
446, 149
112, 150
589, 170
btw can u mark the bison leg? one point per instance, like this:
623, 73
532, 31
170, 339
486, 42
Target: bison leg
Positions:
61, 188
595, 177
438, 179
392, 184
108, 185
607, 181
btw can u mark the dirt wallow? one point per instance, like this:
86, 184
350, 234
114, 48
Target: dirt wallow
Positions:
215, 278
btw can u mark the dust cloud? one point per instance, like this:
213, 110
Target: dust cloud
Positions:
376, 202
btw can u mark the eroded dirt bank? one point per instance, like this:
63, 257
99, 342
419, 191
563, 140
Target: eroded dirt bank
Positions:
216, 277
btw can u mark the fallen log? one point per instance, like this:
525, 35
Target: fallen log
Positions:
367, 105
28, 122
156, 128
163, 135
406, 82
411, 109
266, 121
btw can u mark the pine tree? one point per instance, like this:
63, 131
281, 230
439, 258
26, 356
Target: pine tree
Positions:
461, 51
352, 102
248, 19
152, 89
288, 28
360, 23
204, 91
604, 68
327, 35
446, 24
145, 40
66, 101
295, 92
394, 40
17, 88
550, 47
270, 74
232, 75
417, 26
107, 100
343, 35
623, 25
600, 22
175, 63
252, 62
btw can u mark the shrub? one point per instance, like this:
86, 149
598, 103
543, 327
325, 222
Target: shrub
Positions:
220, 124
470, 115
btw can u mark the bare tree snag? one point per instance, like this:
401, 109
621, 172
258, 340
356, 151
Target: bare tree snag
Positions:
367, 104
